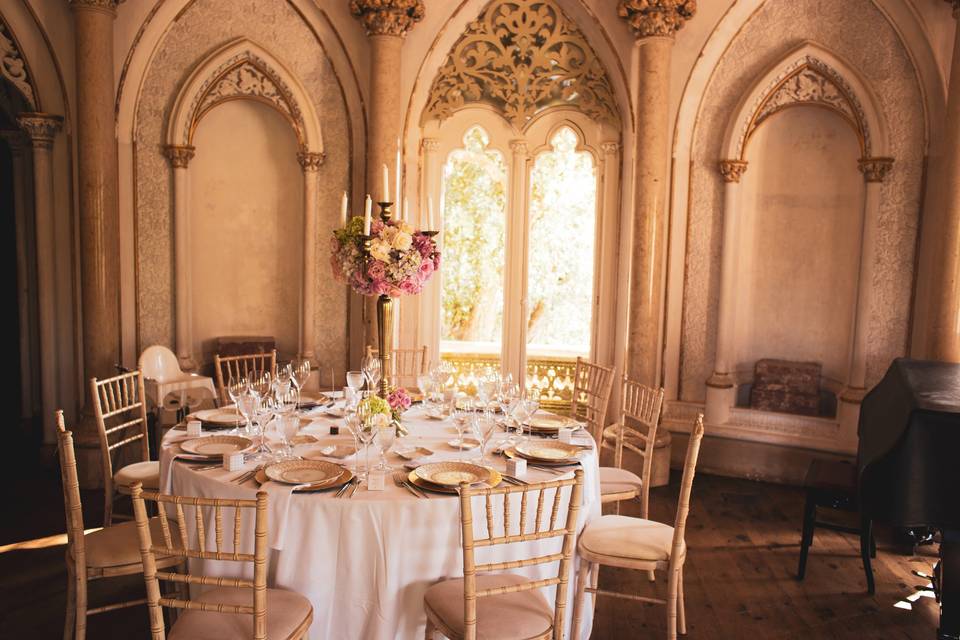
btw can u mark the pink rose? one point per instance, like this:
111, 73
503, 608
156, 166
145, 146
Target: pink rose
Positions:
410, 287
376, 270
399, 400
426, 269
376, 226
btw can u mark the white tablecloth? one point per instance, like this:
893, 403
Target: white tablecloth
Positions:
366, 562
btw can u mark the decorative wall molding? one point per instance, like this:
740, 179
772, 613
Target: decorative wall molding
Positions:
13, 67
41, 128
656, 18
875, 169
388, 17
807, 81
310, 161
179, 156
521, 57
732, 170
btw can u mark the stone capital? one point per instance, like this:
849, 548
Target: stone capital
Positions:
387, 17
310, 160
732, 170
41, 128
518, 147
430, 144
106, 6
656, 18
179, 155
610, 148
875, 169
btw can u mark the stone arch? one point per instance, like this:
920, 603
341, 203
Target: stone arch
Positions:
241, 69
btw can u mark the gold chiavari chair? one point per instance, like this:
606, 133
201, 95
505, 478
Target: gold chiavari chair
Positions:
406, 365
226, 368
483, 604
236, 607
120, 409
103, 553
592, 384
644, 545
636, 430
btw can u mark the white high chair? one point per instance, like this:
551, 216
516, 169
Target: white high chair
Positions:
167, 386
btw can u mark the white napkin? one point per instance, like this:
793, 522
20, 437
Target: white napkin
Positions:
279, 498
168, 485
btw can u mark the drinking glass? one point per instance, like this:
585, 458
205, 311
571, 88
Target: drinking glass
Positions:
288, 426
265, 408
460, 418
299, 372
385, 438
353, 426
247, 406
284, 379
355, 380
366, 430
372, 372
482, 429
235, 388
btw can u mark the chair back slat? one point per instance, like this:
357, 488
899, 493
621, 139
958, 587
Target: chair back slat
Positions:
574, 487
149, 551
592, 385
640, 408
73, 509
120, 410
686, 485
226, 368
406, 364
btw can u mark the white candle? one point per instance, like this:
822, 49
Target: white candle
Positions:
406, 209
367, 210
398, 174
385, 193
343, 210
431, 221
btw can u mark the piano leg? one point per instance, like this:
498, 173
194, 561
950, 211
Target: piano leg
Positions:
950, 585
866, 550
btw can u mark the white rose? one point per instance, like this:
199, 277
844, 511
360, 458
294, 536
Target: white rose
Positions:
402, 241
380, 250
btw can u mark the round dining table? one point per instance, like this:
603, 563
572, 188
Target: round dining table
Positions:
365, 561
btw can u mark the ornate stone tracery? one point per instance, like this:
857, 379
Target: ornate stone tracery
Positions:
248, 76
523, 56
808, 81
651, 18
13, 67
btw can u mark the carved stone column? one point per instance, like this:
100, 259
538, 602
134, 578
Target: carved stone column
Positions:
42, 128
943, 246
514, 347
97, 196
180, 157
310, 162
429, 326
721, 387
387, 23
654, 23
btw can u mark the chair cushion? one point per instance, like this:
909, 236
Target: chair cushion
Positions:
525, 614
614, 480
146, 472
626, 537
119, 544
287, 612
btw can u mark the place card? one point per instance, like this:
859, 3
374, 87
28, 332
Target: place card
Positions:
376, 480
517, 467
194, 428
565, 434
233, 461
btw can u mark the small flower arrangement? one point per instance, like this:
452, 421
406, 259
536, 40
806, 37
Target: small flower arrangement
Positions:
399, 401
375, 411
401, 260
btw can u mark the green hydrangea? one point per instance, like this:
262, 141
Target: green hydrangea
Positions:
375, 404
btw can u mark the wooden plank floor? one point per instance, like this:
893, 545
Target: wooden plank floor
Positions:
743, 538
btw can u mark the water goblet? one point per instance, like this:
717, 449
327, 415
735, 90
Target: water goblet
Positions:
386, 435
288, 426
355, 380
482, 429
235, 388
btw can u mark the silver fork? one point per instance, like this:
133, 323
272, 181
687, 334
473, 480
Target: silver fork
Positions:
400, 479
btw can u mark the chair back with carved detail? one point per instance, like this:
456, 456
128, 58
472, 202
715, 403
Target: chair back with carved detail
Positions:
406, 365
636, 430
226, 368
517, 528
73, 508
592, 385
120, 409
686, 486
181, 506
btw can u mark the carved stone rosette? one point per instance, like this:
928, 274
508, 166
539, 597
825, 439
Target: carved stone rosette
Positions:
732, 170
310, 161
652, 18
875, 169
388, 17
179, 155
41, 127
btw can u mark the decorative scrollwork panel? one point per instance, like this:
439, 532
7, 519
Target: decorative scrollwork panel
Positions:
14, 68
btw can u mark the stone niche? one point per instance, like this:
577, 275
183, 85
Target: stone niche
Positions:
783, 386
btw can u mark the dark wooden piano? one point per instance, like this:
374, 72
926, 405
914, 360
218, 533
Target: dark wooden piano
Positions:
909, 464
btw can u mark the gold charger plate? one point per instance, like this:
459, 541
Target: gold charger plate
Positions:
223, 418
451, 474
511, 453
314, 472
547, 451
495, 480
216, 446
548, 423
345, 477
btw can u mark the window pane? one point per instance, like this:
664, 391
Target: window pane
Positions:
474, 214
563, 192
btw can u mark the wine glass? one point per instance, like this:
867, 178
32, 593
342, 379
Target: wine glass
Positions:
372, 371
247, 406
487, 388
235, 388
355, 380
366, 430
288, 426
299, 372
460, 418
386, 435
482, 429
353, 426
265, 407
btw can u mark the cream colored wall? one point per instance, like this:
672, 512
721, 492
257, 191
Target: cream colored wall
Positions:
245, 227
800, 242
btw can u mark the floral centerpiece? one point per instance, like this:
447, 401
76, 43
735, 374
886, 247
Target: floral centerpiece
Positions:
382, 412
398, 261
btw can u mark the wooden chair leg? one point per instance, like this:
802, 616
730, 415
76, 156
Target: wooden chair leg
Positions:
70, 617
107, 506
806, 538
681, 613
80, 632
672, 589
431, 630
581, 590
866, 537
594, 581
652, 576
